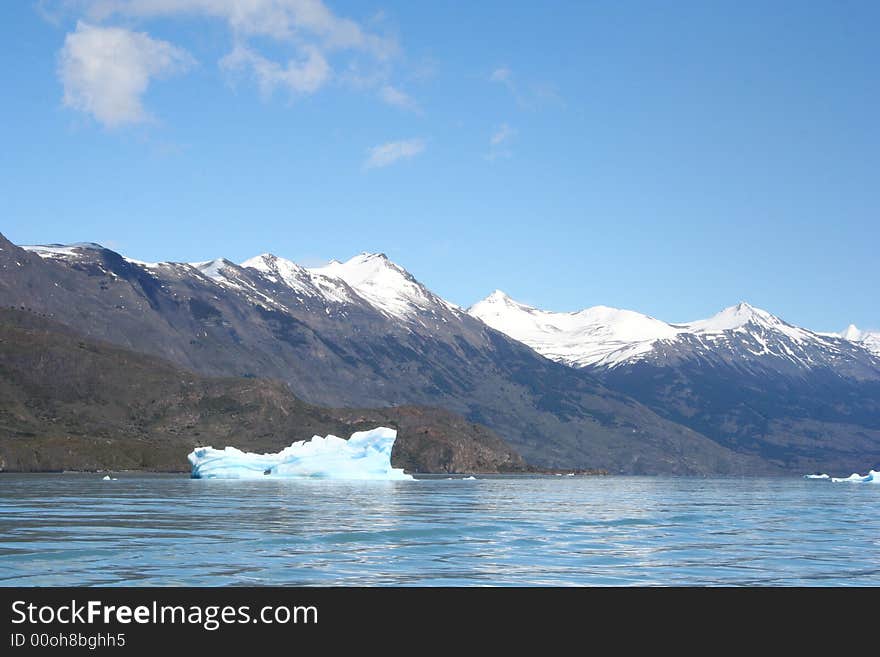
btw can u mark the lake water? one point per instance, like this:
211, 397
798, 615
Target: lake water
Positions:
76, 529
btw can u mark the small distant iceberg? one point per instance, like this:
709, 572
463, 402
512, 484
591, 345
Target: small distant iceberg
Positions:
364, 456
873, 477
817, 476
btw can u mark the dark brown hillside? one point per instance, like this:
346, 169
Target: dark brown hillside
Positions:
70, 403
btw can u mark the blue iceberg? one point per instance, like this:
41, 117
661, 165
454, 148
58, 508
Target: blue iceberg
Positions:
873, 477
366, 455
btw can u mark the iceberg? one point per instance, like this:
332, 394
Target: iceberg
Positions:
873, 477
816, 476
366, 455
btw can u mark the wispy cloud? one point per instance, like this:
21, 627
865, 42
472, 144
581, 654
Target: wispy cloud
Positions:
502, 74
499, 143
397, 98
298, 77
105, 71
305, 21
528, 95
502, 133
393, 151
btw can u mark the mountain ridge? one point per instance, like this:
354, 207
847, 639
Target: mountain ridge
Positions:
604, 337
743, 377
233, 320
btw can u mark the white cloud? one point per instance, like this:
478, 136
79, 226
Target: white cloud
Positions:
279, 19
394, 96
105, 71
317, 37
299, 77
498, 154
283, 20
528, 95
501, 134
387, 154
498, 143
502, 74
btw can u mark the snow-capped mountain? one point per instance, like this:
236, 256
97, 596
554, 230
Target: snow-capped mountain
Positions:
367, 279
359, 334
870, 340
387, 286
595, 336
744, 377
631, 393
301, 280
742, 335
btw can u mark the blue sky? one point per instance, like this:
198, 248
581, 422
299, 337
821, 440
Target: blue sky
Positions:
671, 158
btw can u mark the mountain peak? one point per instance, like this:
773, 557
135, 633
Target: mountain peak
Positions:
734, 317
269, 262
364, 265
497, 303
265, 257
870, 340
851, 332
213, 269
213, 262
586, 337
384, 284
498, 296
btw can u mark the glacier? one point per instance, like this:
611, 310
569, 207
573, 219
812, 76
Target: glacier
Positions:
365, 456
873, 477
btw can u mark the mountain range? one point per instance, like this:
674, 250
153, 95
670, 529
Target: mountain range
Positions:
604, 338
744, 377
742, 392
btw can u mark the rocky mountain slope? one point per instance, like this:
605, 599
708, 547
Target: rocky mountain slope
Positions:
359, 334
68, 402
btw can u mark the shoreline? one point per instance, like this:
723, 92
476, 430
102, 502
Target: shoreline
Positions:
424, 476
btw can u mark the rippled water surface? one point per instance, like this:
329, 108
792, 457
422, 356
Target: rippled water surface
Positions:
166, 530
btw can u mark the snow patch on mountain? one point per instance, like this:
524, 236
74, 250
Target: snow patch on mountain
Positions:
745, 317
299, 279
385, 285
870, 340
79, 250
147, 265
597, 335
62, 251
731, 318
215, 270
